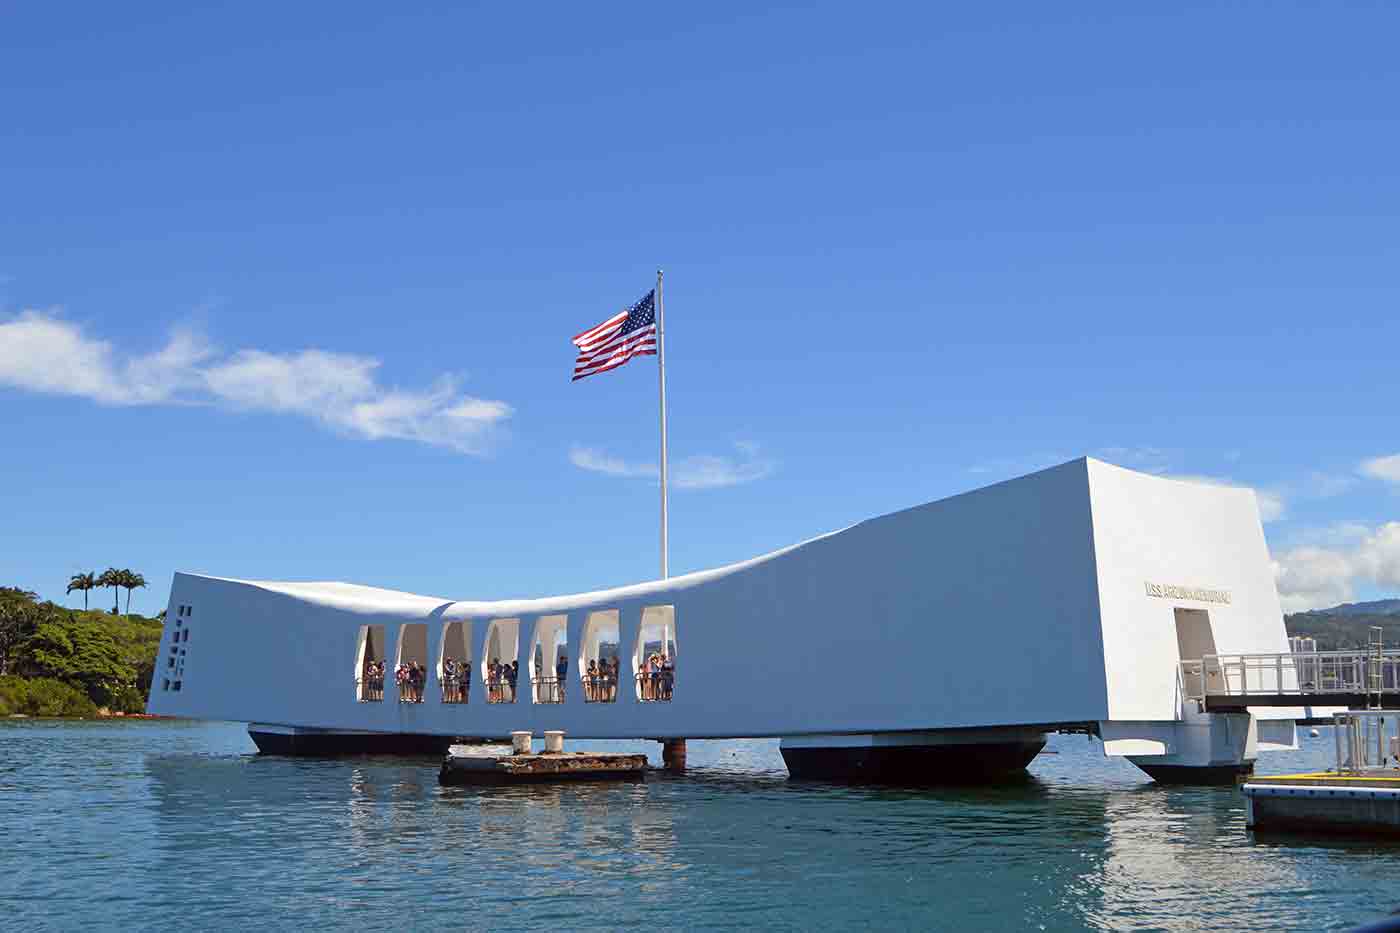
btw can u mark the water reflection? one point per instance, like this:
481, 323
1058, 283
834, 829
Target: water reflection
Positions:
175, 826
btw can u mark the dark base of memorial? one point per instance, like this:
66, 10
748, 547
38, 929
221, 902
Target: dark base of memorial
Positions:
329, 744
913, 764
1204, 775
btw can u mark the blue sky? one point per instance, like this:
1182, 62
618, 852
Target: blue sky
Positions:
286, 291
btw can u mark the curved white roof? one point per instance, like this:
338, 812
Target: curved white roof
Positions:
355, 597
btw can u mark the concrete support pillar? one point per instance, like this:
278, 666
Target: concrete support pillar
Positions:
673, 754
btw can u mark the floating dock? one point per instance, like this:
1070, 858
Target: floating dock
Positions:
1366, 803
499, 764
1361, 796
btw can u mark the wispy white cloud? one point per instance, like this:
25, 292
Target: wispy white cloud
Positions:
1320, 575
40, 351
712, 472
1272, 505
703, 471
1385, 468
588, 458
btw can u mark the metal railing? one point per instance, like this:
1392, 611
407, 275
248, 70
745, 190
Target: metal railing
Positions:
599, 688
548, 690
656, 687
500, 690
369, 689
1366, 740
455, 691
1374, 673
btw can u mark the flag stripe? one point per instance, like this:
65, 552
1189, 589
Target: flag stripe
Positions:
624, 352
613, 365
615, 340
622, 340
602, 338
631, 350
611, 322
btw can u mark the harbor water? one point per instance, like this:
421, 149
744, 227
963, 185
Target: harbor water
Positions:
171, 824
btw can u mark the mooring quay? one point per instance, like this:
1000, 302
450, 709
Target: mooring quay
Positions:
519, 764
945, 639
1360, 795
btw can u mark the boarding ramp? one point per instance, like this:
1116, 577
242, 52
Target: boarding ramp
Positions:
1360, 679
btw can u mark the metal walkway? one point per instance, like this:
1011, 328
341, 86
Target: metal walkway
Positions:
1361, 679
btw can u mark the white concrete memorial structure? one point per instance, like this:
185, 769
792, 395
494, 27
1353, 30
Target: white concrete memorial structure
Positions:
941, 642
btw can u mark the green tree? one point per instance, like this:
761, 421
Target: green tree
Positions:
131, 581
80, 651
83, 582
112, 577
14, 595
19, 619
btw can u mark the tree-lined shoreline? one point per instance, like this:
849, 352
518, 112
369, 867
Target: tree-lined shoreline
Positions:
57, 661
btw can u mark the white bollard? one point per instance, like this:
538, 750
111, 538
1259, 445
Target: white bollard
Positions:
554, 742
520, 742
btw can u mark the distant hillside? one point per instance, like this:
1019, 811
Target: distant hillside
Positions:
1347, 625
1379, 607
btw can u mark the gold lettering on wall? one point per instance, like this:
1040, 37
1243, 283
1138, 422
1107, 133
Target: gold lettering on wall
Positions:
1196, 593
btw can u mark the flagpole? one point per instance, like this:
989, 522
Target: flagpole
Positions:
661, 370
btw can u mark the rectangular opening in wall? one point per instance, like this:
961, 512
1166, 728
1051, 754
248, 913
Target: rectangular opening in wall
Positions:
654, 658
1194, 641
455, 662
598, 656
369, 664
500, 666
411, 662
549, 658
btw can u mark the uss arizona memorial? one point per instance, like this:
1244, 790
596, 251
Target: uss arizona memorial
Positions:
944, 640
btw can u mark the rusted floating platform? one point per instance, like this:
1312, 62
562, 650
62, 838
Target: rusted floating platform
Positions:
499, 765
1355, 803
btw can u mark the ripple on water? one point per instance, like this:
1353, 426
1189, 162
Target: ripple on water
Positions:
147, 824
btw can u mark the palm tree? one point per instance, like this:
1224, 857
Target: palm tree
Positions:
83, 582
131, 580
112, 577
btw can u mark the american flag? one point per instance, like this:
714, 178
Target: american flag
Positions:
628, 333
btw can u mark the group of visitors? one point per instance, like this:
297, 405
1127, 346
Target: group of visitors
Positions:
410, 677
657, 678
456, 680
552, 691
501, 680
600, 683
372, 681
